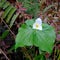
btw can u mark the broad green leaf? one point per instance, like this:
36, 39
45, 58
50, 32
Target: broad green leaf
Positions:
13, 19
45, 39
24, 37
10, 14
29, 22
5, 33
7, 10
6, 5
23, 26
46, 9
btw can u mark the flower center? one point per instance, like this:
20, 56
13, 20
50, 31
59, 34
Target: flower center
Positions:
37, 25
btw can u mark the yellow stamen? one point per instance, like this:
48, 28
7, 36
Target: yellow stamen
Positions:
37, 25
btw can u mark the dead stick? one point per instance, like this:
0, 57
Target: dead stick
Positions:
4, 54
8, 28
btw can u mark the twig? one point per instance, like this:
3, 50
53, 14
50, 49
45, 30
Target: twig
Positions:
54, 54
8, 28
26, 53
4, 54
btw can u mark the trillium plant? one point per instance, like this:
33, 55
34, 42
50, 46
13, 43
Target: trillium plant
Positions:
35, 33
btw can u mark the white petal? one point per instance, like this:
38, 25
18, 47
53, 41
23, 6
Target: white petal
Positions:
39, 20
34, 26
40, 28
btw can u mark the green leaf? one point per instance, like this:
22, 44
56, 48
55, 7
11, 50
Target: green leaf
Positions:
7, 10
2, 2
29, 22
6, 5
45, 39
24, 37
40, 57
23, 26
5, 33
13, 19
10, 14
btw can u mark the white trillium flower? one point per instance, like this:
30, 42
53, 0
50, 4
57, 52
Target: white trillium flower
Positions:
38, 24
